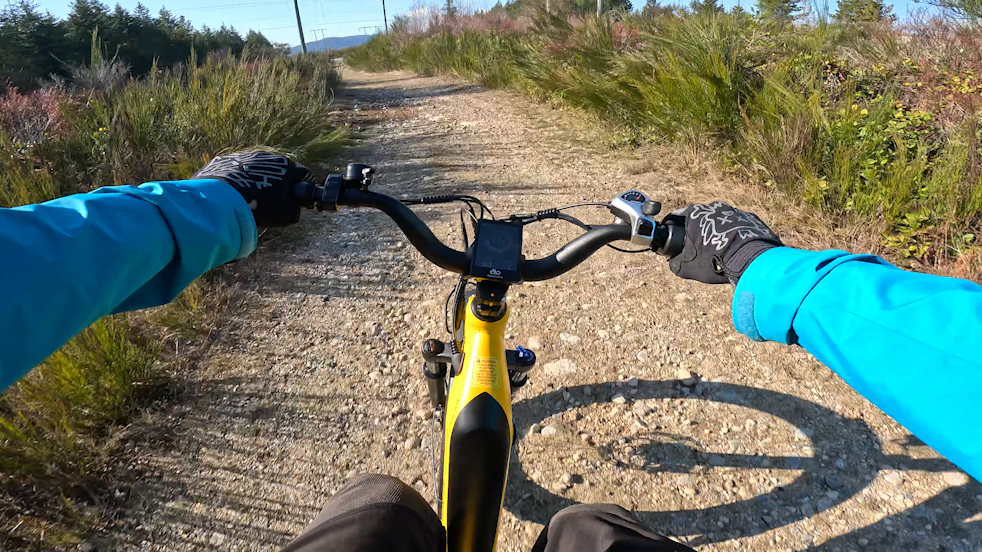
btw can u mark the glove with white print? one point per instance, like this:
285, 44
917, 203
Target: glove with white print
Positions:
265, 180
720, 242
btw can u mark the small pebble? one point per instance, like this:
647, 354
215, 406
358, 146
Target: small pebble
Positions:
834, 482
569, 339
956, 478
686, 377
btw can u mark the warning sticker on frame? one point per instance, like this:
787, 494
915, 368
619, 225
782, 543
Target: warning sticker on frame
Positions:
487, 372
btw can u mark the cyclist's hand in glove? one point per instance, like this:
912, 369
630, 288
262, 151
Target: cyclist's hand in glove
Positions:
264, 179
720, 242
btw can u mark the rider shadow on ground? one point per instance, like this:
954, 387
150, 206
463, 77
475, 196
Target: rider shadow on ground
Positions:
835, 437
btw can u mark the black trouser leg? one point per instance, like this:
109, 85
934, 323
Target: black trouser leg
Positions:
600, 528
373, 513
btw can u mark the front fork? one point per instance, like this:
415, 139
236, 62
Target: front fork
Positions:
439, 363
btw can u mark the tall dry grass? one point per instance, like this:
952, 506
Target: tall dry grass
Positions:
874, 125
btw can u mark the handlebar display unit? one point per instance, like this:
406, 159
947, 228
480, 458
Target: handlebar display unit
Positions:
497, 251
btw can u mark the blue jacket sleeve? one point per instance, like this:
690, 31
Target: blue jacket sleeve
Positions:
908, 342
70, 261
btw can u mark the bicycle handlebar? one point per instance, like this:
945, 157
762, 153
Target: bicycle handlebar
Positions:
419, 234
574, 252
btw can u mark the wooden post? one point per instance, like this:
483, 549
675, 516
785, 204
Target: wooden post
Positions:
303, 43
599, 6
385, 18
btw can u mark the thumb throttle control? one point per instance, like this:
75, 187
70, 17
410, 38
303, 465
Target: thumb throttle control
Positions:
634, 208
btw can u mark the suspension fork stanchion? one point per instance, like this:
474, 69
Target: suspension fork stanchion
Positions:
478, 427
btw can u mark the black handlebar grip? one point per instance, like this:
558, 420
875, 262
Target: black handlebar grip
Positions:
670, 239
303, 193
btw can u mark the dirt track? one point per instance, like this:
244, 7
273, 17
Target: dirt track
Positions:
317, 378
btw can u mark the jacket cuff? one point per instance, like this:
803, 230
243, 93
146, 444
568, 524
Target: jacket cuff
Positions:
221, 199
775, 284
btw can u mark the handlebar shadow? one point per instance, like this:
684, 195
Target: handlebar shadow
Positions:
753, 516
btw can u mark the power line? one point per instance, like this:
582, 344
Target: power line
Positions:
332, 23
266, 19
231, 6
349, 13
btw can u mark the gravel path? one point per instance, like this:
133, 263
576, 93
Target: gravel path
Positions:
316, 378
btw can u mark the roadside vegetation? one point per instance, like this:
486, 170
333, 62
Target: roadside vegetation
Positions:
872, 121
148, 99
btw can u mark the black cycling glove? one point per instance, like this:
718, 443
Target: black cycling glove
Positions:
720, 242
263, 177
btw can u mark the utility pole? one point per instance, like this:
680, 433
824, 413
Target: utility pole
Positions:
449, 8
303, 44
385, 18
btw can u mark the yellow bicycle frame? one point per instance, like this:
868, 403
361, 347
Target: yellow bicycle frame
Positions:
478, 437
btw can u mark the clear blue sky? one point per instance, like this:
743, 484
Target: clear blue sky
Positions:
276, 20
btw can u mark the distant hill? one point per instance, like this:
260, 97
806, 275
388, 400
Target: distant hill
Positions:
333, 43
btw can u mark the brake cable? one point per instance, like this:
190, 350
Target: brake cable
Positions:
556, 213
469, 200
456, 294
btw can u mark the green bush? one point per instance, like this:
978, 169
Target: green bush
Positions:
168, 125
53, 415
381, 53
20, 182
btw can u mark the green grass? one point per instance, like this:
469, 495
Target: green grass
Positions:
868, 126
21, 183
56, 414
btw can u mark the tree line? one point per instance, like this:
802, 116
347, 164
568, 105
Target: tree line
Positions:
36, 47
